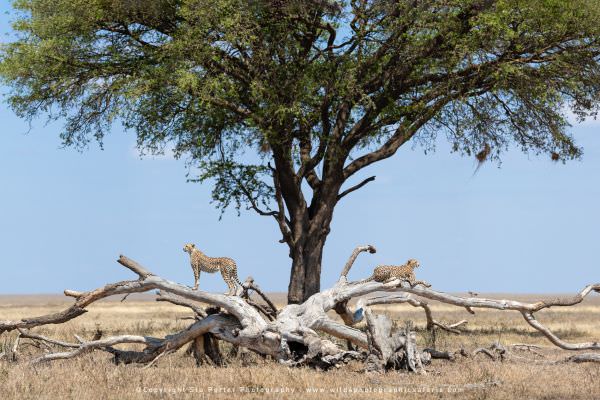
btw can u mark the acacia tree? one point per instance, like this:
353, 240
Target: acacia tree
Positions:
281, 103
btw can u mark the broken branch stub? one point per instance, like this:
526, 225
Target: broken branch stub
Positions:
391, 349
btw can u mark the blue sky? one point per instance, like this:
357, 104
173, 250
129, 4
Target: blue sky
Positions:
529, 226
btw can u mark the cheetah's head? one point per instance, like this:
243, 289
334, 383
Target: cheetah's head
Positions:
413, 263
188, 248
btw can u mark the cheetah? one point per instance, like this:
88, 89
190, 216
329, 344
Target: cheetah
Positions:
201, 262
405, 272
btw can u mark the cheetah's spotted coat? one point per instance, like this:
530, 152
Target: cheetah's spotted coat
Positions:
406, 272
201, 262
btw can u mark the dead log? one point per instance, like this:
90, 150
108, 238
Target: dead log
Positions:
406, 298
440, 355
582, 358
391, 350
199, 311
350, 262
526, 309
205, 349
249, 284
290, 335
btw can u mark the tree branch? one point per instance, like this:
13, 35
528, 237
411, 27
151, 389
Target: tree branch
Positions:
526, 309
404, 298
181, 301
27, 335
249, 284
344, 274
341, 331
282, 220
247, 315
355, 187
134, 266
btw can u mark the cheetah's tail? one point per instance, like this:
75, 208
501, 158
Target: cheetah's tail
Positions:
369, 279
238, 281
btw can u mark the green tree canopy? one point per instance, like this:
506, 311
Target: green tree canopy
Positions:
279, 103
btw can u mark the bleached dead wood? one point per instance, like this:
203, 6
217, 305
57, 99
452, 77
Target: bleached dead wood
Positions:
529, 348
205, 349
27, 335
497, 352
405, 298
581, 358
440, 355
154, 346
526, 309
389, 349
350, 262
290, 335
249, 285
88, 346
181, 301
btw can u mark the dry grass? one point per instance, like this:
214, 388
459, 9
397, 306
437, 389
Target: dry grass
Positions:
175, 376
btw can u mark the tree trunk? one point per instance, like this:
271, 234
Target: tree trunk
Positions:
305, 278
308, 225
310, 230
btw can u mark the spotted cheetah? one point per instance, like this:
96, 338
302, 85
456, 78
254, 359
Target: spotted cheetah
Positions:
405, 272
201, 262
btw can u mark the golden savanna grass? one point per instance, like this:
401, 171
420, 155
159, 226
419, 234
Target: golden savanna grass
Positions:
93, 376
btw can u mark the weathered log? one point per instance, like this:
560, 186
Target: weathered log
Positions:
440, 355
205, 349
526, 309
289, 335
181, 301
350, 262
581, 358
391, 350
406, 298
28, 335
250, 284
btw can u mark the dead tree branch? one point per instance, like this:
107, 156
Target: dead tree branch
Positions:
248, 285
391, 350
526, 309
27, 335
405, 298
290, 335
181, 301
581, 358
350, 262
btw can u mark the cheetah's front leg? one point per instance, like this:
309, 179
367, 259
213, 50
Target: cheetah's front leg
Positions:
196, 278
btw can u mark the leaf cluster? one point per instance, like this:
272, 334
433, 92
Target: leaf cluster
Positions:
320, 88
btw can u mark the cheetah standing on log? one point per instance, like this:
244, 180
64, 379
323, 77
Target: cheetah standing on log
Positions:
201, 262
405, 272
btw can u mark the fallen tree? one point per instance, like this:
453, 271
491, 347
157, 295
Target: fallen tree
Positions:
294, 334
